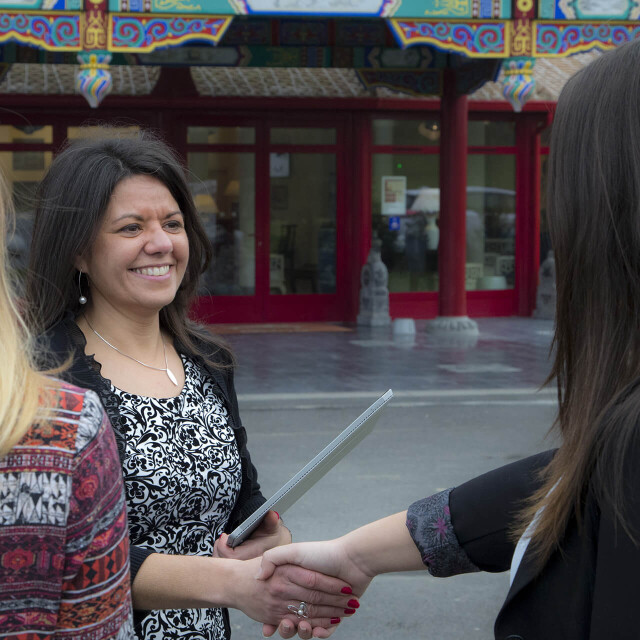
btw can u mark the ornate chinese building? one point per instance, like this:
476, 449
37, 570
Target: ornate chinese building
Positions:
310, 126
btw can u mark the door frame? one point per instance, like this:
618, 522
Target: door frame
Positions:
264, 306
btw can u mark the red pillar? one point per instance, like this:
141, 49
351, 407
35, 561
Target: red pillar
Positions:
453, 199
527, 211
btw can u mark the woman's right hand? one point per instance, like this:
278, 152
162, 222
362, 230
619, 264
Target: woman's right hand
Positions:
329, 558
266, 599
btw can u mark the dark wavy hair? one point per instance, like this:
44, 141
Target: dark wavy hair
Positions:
594, 220
71, 202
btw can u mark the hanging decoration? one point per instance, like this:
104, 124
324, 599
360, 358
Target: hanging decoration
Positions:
94, 79
518, 82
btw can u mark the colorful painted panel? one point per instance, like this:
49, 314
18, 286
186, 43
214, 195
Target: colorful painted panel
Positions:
134, 33
447, 9
383, 8
452, 9
317, 7
52, 31
473, 39
264, 7
41, 5
589, 9
560, 39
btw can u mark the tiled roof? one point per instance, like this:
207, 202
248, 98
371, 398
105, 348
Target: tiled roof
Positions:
59, 79
550, 74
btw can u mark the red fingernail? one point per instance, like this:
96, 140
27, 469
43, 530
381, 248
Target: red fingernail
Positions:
349, 610
277, 514
335, 620
353, 603
346, 590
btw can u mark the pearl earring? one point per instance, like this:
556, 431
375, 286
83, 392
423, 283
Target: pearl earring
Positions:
82, 299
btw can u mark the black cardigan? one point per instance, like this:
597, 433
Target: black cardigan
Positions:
65, 339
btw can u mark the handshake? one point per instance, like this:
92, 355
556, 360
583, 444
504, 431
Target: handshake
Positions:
305, 589
308, 588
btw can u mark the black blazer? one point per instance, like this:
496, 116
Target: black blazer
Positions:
590, 590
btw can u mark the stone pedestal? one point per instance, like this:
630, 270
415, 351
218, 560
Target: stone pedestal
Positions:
374, 290
453, 332
546, 295
453, 324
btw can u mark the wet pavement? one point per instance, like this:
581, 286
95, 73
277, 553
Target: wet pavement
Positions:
509, 353
459, 410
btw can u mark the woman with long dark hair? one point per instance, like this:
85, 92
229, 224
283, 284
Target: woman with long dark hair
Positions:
566, 522
116, 254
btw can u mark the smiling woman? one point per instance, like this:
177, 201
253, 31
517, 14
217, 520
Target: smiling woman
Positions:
136, 264
115, 295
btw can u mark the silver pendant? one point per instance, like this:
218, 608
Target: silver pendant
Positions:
171, 377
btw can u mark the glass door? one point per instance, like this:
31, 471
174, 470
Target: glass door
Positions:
221, 163
304, 227
268, 197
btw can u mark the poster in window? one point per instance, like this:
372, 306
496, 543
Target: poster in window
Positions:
279, 165
394, 195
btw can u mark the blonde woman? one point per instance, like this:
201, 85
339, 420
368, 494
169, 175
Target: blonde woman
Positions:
64, 550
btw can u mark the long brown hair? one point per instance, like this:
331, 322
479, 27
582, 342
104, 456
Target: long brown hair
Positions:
71, 202
594, 221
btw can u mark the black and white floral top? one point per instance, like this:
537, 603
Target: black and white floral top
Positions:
182, 477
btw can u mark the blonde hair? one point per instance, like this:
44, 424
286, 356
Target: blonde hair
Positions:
22, 387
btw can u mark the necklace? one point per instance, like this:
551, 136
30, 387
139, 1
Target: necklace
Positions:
166, 369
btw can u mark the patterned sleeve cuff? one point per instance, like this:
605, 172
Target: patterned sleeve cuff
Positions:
429, 523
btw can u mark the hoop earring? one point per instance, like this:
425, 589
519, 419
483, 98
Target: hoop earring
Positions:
82, 299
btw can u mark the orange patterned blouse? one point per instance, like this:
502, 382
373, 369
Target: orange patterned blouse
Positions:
64, 550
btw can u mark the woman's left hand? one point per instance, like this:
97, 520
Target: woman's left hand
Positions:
270, 533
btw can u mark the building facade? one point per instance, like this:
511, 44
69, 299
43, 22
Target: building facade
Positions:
309, 130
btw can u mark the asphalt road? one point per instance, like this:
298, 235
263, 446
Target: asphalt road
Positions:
424, 442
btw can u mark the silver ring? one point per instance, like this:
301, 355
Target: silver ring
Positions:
301, 610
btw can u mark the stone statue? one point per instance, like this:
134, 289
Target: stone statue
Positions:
546, 295
374, 289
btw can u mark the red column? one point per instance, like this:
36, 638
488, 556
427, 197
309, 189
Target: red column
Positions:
527, 212
453, 199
